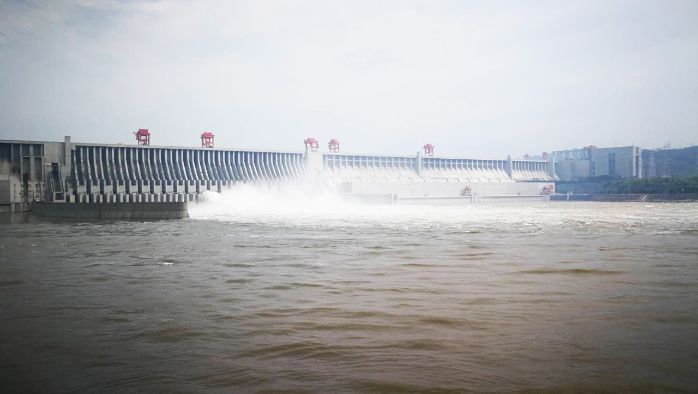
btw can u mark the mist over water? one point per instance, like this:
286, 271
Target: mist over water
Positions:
310, 204
281, 201
294, 288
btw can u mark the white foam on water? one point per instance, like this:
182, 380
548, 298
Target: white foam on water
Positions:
279, 201
310, 204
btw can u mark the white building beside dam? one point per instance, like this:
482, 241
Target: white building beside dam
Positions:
589, 162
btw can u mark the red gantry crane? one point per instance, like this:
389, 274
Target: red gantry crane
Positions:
142, 136
207, 139
429, 150
312, 143
333, 145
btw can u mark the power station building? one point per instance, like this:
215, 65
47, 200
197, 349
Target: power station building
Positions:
590, 162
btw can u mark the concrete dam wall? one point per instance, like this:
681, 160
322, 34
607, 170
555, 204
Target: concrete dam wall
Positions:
417, 176
100, 173
112, 211
118, 173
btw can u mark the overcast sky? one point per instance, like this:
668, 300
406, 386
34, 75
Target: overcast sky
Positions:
475, 78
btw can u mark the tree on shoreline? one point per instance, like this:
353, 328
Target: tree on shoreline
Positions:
652, 186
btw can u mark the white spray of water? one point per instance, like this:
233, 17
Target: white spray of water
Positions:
279, 201
210, 196
302, 203
310, 204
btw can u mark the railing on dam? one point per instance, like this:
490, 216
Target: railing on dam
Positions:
369, 168
465, 170
416, 168
337, 161
530, 170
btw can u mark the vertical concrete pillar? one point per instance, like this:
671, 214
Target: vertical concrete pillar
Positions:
313, 161
508, 167
418, 163
67, 156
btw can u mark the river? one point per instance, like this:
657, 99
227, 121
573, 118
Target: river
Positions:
252, 293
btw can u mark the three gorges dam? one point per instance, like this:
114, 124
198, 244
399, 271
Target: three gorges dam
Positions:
74, 172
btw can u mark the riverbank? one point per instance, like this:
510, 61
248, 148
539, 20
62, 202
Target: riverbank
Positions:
664, 197
650, 186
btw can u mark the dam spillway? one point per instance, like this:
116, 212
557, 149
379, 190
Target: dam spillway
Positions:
81, 172
155, 173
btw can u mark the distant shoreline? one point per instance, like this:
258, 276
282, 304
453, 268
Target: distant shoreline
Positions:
663, 197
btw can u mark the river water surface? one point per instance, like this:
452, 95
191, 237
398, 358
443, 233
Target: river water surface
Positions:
324, 297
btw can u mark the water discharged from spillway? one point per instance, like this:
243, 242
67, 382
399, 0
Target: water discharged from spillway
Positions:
309, 204
284, 201
282, 288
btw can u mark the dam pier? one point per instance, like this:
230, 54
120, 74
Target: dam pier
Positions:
81, 173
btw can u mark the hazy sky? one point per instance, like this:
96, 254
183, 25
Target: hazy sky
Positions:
480, 79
